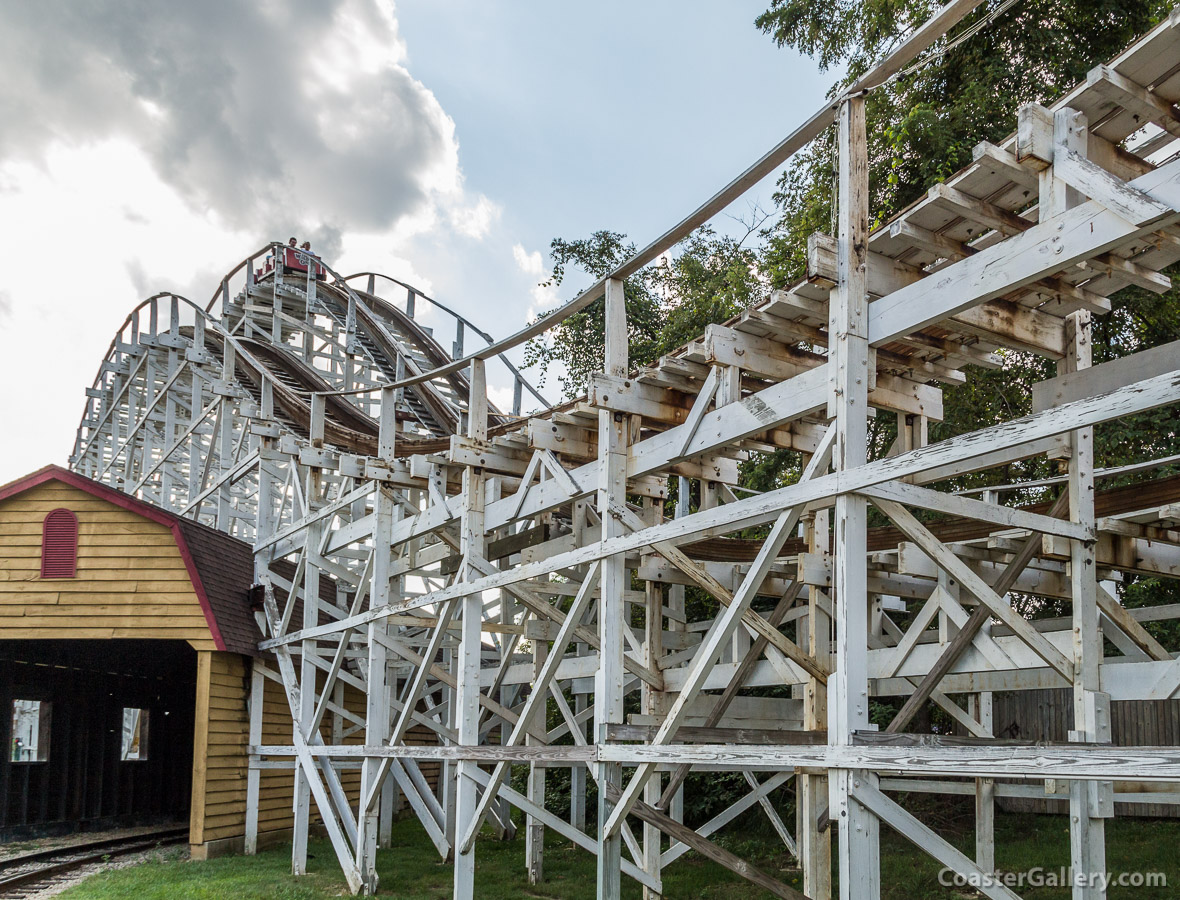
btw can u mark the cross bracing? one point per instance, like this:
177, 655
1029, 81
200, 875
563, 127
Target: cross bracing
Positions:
483, 574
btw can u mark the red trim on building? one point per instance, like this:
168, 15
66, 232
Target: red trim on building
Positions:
131, 504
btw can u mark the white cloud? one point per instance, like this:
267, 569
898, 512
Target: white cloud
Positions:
298, 114
151, 147
532, 264
501, 397
529, 263
475, 220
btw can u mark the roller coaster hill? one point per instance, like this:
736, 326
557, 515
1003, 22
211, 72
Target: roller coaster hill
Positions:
286, 349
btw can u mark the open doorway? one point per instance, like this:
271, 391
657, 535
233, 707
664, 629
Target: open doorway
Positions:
99, 734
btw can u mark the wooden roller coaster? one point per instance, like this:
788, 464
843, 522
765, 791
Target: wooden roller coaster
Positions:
516, 583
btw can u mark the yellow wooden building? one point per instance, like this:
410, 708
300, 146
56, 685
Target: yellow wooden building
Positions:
127, 646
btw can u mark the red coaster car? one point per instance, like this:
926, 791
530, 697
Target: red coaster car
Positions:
296, 260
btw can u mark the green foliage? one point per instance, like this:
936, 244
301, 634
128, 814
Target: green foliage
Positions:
923, 126
710, 278
575, 346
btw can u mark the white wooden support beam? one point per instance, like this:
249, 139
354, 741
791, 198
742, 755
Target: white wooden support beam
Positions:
975, 585
534, 703
727, 815
387, 435
1090, 802
1091, 381
378, 690
700, 406
1053, 245
848, 350
472, 544
1115, 194
306, 761
954, 454
1135, 98
705, 658
926, 840
955, 505
254, 775
653, 702
613, 439
815, 844
980, 708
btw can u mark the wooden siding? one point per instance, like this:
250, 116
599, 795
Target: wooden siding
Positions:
131, 580
1048, 716
220, 745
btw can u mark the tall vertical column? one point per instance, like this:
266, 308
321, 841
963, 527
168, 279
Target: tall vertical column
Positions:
264, 526
534, 834
581, 699
471, 543
613, 429
678, 620
226, 436
1090, 802
815, 846
377, 708
980, 707
253, 773
653, 700
307, 700
848, 362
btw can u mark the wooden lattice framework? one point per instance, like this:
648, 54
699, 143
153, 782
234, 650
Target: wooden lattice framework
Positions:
470, 570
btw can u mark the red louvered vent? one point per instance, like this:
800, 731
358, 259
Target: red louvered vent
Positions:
59, 545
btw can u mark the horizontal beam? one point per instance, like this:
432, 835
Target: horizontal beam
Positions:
1081, 762
1077, 235
763, 508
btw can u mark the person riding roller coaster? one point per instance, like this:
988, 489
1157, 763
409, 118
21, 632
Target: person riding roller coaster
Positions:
296, 259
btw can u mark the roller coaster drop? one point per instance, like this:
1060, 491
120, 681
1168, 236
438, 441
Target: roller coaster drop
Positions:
485, 574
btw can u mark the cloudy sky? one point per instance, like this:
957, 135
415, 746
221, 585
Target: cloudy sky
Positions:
150, 146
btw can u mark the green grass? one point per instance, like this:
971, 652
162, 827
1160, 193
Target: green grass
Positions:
412, 870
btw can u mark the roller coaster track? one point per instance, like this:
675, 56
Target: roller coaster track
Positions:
184, 396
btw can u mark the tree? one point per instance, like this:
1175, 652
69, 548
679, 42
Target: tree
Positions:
922, 126
710, 279
575, 347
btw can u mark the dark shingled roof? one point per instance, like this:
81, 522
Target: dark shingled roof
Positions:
220, 567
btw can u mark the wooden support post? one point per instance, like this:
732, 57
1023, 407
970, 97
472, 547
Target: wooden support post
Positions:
578, 773
859, 862
472, 541
652, 701
1090, 802
613, 434
225, 422
377, 697
307, 700
387, 423
254, 774
390, 806
815, 845
980, 708
534, 834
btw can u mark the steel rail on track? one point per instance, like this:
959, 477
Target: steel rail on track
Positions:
61, 860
